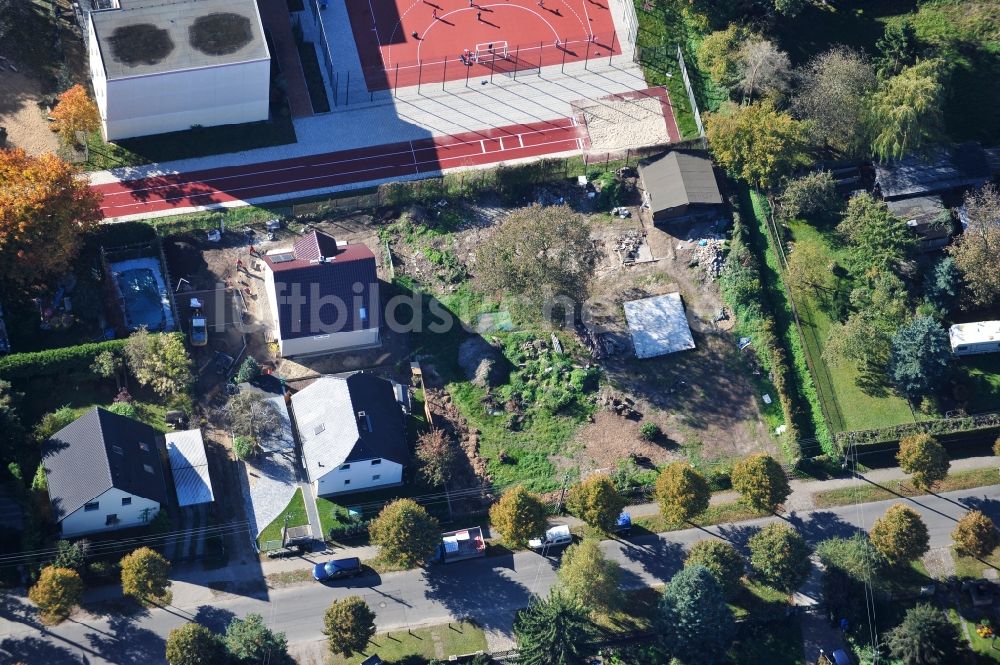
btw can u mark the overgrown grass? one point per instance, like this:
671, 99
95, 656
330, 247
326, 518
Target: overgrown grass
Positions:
295, 511
867, 492
441, 641
775, 643
331, 515
850, 408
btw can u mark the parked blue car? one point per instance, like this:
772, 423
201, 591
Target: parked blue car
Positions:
337, 569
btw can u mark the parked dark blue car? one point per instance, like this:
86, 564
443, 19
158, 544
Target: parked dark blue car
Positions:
337, 569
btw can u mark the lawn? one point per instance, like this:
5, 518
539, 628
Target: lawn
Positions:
295, 511
440, 642
775, 643
848, 406
892, 489
331, 515
967, 567
717, 514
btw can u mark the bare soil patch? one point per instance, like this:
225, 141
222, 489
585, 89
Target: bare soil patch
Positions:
22, 113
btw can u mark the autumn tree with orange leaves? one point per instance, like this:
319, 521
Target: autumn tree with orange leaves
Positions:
75, 112
44, 212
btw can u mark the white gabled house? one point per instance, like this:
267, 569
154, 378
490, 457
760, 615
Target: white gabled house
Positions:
353, 433
104, 472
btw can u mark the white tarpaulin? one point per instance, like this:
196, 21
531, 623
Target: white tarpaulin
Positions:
658, 325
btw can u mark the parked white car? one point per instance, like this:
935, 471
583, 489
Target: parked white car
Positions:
557, 536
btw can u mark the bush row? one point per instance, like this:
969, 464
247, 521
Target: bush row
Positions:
51, 362
793, 338
945, 429
742, 287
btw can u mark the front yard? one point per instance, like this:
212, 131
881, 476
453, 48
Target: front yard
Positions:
432, 642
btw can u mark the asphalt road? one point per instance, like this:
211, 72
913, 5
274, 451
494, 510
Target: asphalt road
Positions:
487, 589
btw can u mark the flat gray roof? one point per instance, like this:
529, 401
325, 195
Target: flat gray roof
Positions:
658, 325
147, 37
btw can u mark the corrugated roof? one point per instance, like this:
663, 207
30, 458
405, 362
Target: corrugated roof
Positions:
658, 325
98, 451
189, 466
331, 430
947, 168
679, 179
304, 281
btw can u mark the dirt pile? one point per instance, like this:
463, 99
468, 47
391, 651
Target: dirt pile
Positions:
480, 362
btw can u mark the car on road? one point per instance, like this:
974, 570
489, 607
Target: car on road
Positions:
557, 536
337, 569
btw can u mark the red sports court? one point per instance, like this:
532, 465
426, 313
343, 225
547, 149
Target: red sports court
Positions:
410, 42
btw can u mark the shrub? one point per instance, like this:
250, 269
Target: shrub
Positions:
66, 361
650, 432
243, 446
249, 370
123, 409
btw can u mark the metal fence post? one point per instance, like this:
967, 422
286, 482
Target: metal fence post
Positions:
395, 85
586, 58
517, 53
612, 52
420, 74
444, 75
562, 69
347, 89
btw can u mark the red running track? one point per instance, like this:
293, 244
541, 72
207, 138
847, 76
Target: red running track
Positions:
393, 160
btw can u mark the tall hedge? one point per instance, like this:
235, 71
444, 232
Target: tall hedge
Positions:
68, 360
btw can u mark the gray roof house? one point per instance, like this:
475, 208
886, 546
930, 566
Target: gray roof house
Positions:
955, 167
927, 218
681, 186
353, 433
104, 471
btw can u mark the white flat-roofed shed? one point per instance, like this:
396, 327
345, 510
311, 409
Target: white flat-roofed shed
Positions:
658, 325
977, 337
189, 466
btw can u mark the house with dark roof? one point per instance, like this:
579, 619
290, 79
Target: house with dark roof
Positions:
927, 218
353, 433
944, 170
324, 296
681, 187
104, 472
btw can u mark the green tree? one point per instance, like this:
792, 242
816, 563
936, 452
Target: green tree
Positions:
244, 447
436, 452
718, 55
809, 271
552, 631
11, 429
40, 483
108, 364
251, 641
248, 371
539, 253
813, 195
849, 565
56, 593
144, 574
920, 358
682, 493
924, 459
405, 533
756, 143
71, 555
519, 516
926, 637
696, 624
897, 47
761, 482
977, 250
193, 644
975, 535
159, 361
588, 576
780, 556
597, 502
906, 111
349, 624
722, 560
942, 285
876, 239
900, 535
833, 95
53, 422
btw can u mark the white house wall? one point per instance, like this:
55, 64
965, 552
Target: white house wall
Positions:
342, 341
176, 101
139, 512
97, 78
361, 476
